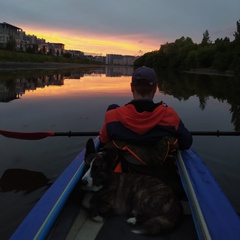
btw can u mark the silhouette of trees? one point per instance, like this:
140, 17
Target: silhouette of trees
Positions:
206, 38
184, 54
237, 33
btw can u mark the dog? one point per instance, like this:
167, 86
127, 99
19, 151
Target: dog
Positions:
150, 204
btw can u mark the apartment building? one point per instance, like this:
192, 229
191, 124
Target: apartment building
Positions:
28, 43
116, 59
7, 31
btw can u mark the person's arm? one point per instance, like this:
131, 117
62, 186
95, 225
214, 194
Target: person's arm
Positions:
184, 137
104, 137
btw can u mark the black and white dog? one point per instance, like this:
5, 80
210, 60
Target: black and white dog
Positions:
150, 205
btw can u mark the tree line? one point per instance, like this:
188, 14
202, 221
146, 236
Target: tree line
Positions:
183, 54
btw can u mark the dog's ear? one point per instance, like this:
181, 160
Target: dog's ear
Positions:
90, 147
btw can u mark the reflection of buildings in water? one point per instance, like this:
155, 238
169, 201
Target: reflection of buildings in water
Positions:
99, 71
95, 72
6, 95
111, 71
74, 75
118, 71
20, 85
56, 79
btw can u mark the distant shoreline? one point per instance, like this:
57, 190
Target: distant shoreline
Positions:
207, 71
5, 66
44, 65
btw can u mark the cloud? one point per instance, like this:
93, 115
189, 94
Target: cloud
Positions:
145, 22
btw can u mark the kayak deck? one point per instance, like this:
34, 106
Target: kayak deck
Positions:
83, 227
74, 224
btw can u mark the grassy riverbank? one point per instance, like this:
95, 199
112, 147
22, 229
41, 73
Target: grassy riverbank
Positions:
20, 57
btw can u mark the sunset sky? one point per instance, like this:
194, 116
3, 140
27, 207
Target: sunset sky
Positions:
128, 27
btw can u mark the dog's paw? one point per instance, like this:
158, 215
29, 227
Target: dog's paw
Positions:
132, 221
98, 218
86, 202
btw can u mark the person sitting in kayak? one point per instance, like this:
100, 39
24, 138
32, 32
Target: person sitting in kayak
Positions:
146, 133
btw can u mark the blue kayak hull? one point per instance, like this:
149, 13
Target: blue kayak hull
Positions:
213, 215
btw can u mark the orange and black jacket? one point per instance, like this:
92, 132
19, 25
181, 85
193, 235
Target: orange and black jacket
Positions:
143, 120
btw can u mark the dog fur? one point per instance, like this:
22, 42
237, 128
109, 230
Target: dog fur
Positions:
150, 205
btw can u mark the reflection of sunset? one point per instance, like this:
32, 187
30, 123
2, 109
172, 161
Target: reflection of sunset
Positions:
86, 85
127, 45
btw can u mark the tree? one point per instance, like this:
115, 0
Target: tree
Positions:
191, 60
206, 56
222, 45
206, 38
237, 33
236, 50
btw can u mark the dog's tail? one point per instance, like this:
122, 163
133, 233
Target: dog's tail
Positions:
157, 225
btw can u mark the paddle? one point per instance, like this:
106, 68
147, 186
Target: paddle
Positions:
22, 180
41, 135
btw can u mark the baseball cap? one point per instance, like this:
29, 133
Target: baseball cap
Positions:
144, 75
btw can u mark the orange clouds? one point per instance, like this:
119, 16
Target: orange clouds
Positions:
125, 45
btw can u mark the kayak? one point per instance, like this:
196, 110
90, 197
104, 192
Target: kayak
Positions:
59, 215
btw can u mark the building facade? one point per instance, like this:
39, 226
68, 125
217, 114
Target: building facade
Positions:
8, 31
116, 59
28, 43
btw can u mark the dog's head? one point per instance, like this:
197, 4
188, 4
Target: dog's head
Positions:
98, 167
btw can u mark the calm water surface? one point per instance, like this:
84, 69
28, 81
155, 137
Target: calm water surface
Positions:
77, 99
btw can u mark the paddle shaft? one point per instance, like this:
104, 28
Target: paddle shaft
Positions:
214, 133
41, 135
194, 133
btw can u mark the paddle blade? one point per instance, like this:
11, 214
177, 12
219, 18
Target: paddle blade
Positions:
27, 136
22, 180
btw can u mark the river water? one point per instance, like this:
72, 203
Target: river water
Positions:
76, 99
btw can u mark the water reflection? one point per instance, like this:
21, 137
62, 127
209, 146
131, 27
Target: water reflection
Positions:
77, 99
13, 88
181, 86
224, 89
